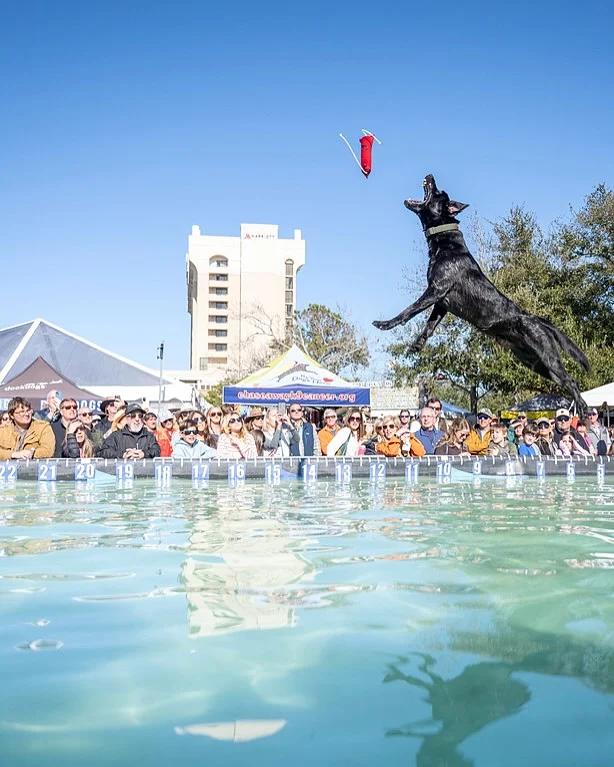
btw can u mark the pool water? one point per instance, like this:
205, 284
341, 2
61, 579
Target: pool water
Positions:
441, 625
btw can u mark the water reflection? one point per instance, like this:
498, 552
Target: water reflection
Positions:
240, 564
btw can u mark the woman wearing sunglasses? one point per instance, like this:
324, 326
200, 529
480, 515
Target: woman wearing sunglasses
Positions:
214, 425
454, 441
396, 447
348, 440
76, 443
235, 441
189, 446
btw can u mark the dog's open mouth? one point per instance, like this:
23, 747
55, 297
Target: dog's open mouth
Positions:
429, 187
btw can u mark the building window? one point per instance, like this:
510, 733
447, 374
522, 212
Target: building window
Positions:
220, 320
221, 305
221, 333
289, 296
289, 268
218, 277
288, 310
221, 263
289, 283
221, 291
220, 347
202, 363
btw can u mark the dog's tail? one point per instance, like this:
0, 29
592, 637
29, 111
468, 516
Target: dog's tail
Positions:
567, 345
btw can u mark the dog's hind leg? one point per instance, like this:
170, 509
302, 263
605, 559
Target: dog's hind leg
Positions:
436, 317
426, 300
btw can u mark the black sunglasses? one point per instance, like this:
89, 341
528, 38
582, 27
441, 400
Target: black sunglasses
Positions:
235, 420
482, 416
190, 431
563, 418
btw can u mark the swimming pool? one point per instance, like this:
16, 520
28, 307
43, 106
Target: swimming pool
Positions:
433, 623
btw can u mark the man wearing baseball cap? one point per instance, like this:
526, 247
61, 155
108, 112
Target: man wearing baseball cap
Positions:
562, 425
134, 441
478, 440
597, 434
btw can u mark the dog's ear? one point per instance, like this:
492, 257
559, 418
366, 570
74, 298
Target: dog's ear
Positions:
454, 208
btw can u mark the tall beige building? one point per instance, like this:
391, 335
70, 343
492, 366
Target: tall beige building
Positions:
241, 292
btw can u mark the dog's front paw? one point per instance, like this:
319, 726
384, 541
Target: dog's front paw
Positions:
383, 324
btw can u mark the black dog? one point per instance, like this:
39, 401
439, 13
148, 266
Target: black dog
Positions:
457, 284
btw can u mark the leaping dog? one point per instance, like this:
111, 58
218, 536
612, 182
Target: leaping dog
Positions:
457, 284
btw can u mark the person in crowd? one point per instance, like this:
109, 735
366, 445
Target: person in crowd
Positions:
479, 438
427, 433
86, 416
348, 440
109, 407
529, 446
68, 413
303, 437
372, 439
50, 409
514, 432
214, 425
404, 421
235, 441
272, 428
181, 418
151, 421
544, 437
440, 421
258, 436
200, 419
120, 419
134, 441
569, 446
164, 434
189, 446
24, 437
583, 438
562, 425
77, 443
331, 428
255, 419
5, 418
453, 442
597, 433
499, 444
391, 445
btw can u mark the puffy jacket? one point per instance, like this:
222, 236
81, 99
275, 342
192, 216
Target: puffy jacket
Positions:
392, 447
197, 450
476, 444
116, 444
39, 436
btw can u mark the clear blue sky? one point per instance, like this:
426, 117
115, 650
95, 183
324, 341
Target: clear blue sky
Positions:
124, 123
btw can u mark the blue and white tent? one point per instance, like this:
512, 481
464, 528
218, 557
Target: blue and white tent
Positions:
295, 377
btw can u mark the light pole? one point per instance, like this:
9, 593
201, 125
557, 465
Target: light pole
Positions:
161, 358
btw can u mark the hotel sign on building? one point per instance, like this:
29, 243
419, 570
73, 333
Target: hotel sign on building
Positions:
237, 286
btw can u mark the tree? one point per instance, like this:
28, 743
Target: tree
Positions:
324, 334
566, 277
331, 339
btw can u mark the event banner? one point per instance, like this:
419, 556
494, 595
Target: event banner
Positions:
314, 396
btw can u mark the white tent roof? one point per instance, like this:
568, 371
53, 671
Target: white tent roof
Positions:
596, 397
293, 368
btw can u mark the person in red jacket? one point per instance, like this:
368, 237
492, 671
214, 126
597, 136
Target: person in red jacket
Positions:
164, 433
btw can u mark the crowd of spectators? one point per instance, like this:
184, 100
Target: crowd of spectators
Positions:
63, 429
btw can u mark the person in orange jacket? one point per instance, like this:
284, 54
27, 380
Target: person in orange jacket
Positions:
393, 446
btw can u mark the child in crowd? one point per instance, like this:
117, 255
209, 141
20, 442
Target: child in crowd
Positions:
499, 444
528, 446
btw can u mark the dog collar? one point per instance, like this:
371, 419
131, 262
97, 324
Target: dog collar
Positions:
443, 228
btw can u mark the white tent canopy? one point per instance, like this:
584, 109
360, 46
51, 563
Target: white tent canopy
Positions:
596, 397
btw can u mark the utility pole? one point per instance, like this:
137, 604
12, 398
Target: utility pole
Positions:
161, 358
